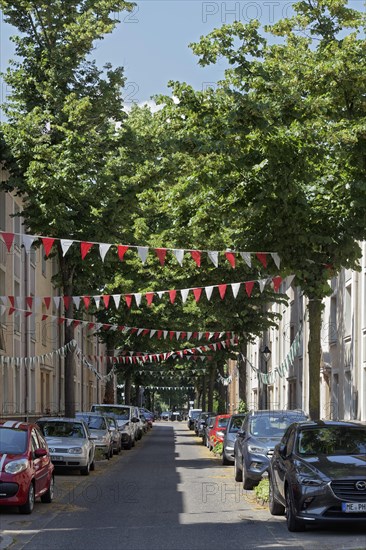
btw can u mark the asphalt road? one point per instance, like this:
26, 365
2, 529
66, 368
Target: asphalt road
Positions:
167, 493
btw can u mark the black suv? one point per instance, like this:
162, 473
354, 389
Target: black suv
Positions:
256, 440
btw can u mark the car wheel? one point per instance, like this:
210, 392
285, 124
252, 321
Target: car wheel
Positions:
275, 507
86, 470
203, 440
92, 466
238, 474
129, 444
107, 455
248, 483
225, 461
293, 524
111, 452
27, 508
47, 497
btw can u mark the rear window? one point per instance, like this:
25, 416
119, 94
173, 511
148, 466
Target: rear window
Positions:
13, 441
95, 422
271, 425
223, 422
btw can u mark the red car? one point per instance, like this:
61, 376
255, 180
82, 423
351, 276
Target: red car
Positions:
217, 432
26, 470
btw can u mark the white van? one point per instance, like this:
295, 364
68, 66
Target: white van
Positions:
127, 419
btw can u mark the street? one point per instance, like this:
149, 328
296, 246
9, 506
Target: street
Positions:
167, 493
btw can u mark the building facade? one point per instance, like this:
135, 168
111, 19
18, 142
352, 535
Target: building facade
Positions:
282, 382
32, 346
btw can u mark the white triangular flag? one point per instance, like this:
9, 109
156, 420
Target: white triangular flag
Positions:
160, 293
276, 259
177, 335
117, 299
262, 284
57, 301
27, 242
97, 301
247, 258
179, 254
184, 293
65, 245
152, 332
214, 257
103, 249
76, 300
138, 296
139, 331
165, 333
143, 252
189, 334
235, 288
208, 290
200, 334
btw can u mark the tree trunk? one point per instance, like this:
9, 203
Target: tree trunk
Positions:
211, 384
204, 392
69, 375
315, 308
242, 372
128, 388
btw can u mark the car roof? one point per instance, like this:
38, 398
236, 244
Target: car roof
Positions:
282, 412
329, 423
19, 424
59, 419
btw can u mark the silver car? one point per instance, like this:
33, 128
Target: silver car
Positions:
98, 427
70, 443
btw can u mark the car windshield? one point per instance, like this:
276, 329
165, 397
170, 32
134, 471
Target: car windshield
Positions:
95, 422
194, 414
121, 413
332, 441
63, 429
236, 423
270, 425
13, 441
223, 422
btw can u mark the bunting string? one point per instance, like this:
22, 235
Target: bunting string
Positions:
143, 251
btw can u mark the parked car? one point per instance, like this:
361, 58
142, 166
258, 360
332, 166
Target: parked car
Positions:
127, 417
26, 469
234, 425
256, 440
115, 433
208, 424
192, 414
150, 417
98, 426
200, 422
176, 416
318, 474
70, 443
165, 415
217, 432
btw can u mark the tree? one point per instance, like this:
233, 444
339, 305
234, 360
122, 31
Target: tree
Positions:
60, 130
277, 153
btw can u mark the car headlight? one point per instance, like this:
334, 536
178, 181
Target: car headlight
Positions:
75, 451
220, 434
257, 450
310, 481
16, 466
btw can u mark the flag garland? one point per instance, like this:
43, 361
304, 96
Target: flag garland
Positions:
185, 335
281, 370
142, 251
105, 299
37, 359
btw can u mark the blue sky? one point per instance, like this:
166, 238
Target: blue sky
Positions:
151, 43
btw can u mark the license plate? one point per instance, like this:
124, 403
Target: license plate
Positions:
353, 507
58, 458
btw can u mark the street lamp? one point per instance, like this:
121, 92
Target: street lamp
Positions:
266, 354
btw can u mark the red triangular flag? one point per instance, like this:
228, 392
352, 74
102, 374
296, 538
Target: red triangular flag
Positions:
76, 322
8, 239
149, 298
27, 313
230, 256
161, 254
128, 299
47, 244
106, 298
172, 295
276, 283
11, 310
85, 247
196, 255
249, 287
262, 257
145, 331
197, 293
122, 249
12, 300
160, 334
86, 300
67, 300
222, 290
47, 301
29, 301
171, 334
44, 317
91, 326
61, 320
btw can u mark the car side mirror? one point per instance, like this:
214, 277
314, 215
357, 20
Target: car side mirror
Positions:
240, 433
134, 419
40, 453
282, 451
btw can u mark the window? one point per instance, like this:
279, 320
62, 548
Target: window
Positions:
348, 310
333, 320
2, 211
